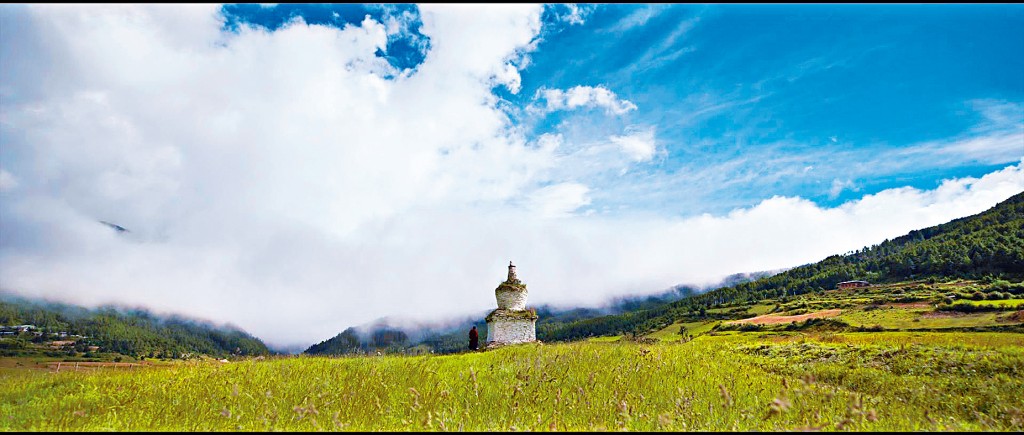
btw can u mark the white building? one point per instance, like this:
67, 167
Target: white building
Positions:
512, 322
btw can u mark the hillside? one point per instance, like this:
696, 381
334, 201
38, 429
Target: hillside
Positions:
989, 245
60, 330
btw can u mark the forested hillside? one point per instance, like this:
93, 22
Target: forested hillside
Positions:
989, 245
351, 342
134, 333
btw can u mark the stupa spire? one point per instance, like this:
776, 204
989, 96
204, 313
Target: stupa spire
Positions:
511, 272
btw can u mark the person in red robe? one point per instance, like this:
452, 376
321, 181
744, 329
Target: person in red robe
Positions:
474, 338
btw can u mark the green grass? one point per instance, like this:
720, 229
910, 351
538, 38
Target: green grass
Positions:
720, 381
896, 318
605, 339
671, 332
1010, 304
897, 381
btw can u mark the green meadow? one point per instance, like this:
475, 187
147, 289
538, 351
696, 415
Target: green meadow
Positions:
861, 381
672, 332
912, 356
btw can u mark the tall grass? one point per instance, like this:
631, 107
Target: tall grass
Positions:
850, 381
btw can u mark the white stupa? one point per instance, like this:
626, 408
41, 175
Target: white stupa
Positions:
512, 322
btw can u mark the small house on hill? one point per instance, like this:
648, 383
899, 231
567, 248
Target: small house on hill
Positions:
853, 284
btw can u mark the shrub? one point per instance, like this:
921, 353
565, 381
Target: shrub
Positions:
978, 296
1016, 289
1000, 284
748, 327
819, 325
970, 308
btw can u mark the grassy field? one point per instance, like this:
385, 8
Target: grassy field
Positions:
1009, 304
929, 372
671, 332
606, 339
894, 318
899, 381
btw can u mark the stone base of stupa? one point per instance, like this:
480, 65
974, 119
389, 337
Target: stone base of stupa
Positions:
511, 327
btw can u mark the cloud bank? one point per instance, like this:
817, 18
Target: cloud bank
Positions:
278, 181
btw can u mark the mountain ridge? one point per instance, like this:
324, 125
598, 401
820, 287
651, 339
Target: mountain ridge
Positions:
118, 331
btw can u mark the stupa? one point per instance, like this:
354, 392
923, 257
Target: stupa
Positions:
512, 322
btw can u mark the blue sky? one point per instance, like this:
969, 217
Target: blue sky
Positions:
761, 92
299, 169
798, 80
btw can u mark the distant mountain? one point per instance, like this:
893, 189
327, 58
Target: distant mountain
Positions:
451, 336
111, 330
350, 341
986, 245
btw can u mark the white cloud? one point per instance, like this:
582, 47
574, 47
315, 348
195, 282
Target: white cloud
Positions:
639, 146
988, 150
499, 34
838, 186
229, 156
278, 182
637, 18
559, 199
572, 13
584, 96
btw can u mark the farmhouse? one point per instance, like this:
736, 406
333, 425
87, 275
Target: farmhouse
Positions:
853, 284
512, 322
